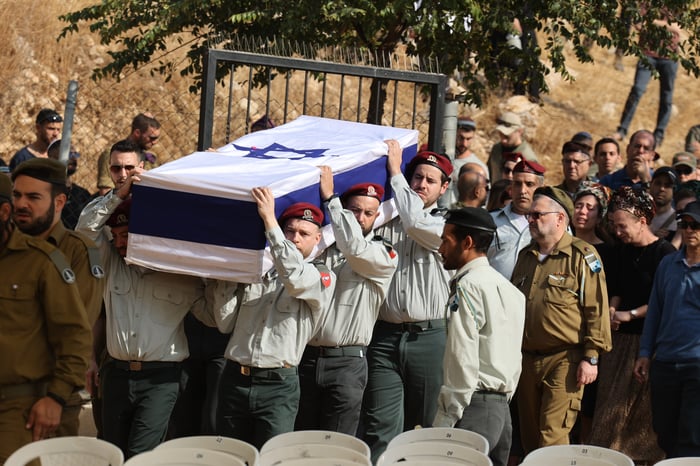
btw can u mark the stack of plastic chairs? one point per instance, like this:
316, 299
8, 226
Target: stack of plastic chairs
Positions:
239, 449
314, 447
689, 461
581, 455
437, 446
184, 457
68, 451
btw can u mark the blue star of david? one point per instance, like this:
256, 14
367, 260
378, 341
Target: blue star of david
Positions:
269, 152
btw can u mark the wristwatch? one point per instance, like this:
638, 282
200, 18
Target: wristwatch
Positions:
593, 361
634, 313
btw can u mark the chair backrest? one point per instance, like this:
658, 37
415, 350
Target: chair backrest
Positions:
689, 461
431, 451
566, 461
184, 457
238, 448
323, 437
68, 451
320, 462
443, 434
613, 457
313, 450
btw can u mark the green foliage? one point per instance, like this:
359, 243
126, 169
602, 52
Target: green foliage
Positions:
463, 35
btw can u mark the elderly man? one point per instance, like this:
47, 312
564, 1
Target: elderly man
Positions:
641, 153
482, 356
333, 370
472, 186
671, 337
39, 196
512, 232
145, 309
409, 337
45, 338
272, 321
575, 161
567, 323
510, 131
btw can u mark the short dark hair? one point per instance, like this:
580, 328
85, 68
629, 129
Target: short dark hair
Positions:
482, 239
647, 133
125, 145
605, 141
142, 122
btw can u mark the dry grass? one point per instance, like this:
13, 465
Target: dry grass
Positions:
36, 70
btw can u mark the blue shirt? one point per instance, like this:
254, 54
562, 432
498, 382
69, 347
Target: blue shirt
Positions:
617, 179
672, 324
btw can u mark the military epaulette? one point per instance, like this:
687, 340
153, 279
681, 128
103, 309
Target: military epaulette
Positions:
325, 273
438, 212
387, 244
58, 259
589, 254
93, 254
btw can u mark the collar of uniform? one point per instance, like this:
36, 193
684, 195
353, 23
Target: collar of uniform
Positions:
18, 241
57, 233
563, 246
472, 264
508, 212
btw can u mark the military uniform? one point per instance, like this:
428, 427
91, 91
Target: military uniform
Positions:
407, 346
512, 234
145, 339
333, 371
567, 319
45, 338
272, 322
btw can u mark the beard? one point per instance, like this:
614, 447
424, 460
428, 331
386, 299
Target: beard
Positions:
39, 225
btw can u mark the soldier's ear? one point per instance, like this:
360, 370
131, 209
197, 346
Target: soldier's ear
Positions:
5, 212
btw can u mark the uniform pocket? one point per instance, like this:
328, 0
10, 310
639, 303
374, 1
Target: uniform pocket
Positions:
561, 290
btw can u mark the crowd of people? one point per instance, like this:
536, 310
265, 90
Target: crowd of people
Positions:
534, 315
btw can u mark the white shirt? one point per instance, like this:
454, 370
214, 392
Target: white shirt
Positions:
512, 234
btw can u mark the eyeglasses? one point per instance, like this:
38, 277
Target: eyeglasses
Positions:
574, 161
537, 215
683, 170
119, 168
683, 224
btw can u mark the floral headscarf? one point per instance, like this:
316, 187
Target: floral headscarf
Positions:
635, 201
597, 190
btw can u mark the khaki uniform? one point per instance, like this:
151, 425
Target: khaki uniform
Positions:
45, 339
567, 319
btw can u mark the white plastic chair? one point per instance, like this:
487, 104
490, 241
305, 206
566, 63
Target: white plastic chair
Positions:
184, 457
444, 434
687, 461
238, 448
578, 452
282, 455
322, 437
319, 462
68, 451
433, 451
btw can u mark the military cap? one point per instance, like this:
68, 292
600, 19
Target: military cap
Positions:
120, 216
692, 210
512, 157
508, 123
668, 171
304, 211
439, 161
365, 189
48, 170
559, 196
685, 158
47, 115
528, 166
471, 217
5, 188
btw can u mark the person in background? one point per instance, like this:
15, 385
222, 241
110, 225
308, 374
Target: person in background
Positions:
466, 131
78, 197
472, 186
510, 131
499, 196
683, 196
606, 155
663, 185
576, 162
641, 154
685, 165
622, 417
48, 128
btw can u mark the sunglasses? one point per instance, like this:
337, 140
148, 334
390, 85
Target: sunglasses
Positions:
683, 224
683, 170
537, 215
119, 168
51, 119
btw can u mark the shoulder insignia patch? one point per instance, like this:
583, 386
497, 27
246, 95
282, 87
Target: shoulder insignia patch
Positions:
387, 244
68, 275
326, 279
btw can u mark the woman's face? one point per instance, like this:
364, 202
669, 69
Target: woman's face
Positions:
626, 226
586, 213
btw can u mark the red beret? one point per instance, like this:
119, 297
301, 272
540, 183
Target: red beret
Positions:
528, 166
512, 157
120, 216
439, 161
304, 211
365, 189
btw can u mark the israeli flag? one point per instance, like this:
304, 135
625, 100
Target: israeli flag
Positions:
196, 216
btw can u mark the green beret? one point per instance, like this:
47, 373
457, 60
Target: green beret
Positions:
49, 170
471, 217
559, 196
5, 188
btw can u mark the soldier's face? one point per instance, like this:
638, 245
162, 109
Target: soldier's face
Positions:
305, 235
523, 190
48, 132
35, 209
366, 211
122, 165
120, 239
451, 249
427, 183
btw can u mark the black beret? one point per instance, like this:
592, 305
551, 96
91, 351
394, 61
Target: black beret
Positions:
471, 217
560, 197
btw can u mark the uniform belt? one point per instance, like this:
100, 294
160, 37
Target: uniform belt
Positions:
138, 366
276, 373
336, 351
413, 327
549, 352
489, 393
36, 389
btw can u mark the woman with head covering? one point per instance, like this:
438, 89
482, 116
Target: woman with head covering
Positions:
622, 418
